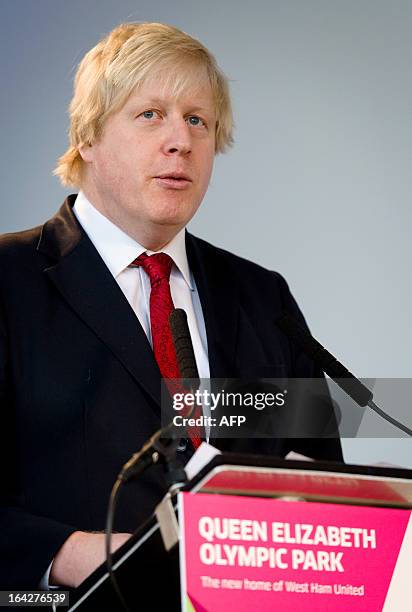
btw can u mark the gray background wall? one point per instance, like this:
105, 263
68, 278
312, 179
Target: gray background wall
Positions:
319, 182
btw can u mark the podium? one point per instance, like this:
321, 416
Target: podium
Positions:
268, 532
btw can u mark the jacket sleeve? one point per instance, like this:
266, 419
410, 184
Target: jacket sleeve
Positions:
28, 542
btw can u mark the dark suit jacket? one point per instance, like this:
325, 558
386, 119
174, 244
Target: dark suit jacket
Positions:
80, 389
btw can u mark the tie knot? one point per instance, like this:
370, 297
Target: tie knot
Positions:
157, 266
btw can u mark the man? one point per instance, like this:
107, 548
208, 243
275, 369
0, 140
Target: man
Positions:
82, 338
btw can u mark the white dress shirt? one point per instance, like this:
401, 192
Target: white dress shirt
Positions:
118, 250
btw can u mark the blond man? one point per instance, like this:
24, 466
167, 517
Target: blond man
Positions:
81, 354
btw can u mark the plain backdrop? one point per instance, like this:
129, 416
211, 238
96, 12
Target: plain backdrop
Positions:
318, 184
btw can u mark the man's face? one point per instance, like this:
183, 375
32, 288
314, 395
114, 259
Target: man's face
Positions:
149, 170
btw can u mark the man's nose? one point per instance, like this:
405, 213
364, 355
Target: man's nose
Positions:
178, 139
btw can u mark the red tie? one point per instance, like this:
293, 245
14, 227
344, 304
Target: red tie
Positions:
158, 268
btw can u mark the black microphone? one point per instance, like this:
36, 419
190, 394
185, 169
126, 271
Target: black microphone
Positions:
329, 364
183, 344
185, 354
333, 368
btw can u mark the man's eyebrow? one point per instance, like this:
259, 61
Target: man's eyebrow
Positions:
202, 109
162, 102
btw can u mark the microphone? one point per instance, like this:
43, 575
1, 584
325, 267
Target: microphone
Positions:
183, 345
333, 368
329, 364
186, 360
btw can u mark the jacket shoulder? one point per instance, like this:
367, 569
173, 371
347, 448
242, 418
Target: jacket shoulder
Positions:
240, 266
15, 243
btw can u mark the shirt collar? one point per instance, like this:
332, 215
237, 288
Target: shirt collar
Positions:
118, 249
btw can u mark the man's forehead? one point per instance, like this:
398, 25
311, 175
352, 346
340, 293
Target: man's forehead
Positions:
184, 87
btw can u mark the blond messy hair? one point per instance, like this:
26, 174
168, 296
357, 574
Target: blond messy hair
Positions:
126, 58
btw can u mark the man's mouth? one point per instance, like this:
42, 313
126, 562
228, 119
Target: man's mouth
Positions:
173, 180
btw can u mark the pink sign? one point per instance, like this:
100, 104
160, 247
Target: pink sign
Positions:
244, 553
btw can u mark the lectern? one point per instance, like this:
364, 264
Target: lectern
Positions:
250, 532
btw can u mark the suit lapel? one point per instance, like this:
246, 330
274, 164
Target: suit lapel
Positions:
85, 282
218, 293
82, 278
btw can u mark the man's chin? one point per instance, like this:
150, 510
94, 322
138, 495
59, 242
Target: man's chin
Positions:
177, 216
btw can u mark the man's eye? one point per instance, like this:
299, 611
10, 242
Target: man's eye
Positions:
194, 120
148, 114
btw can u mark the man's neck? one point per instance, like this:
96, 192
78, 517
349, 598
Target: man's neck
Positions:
153, 237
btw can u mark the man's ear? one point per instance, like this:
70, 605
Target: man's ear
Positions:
86, 152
